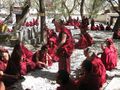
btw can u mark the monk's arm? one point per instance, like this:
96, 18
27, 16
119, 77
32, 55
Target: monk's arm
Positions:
64, 37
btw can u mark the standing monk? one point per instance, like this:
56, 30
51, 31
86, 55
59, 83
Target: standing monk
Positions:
65, 46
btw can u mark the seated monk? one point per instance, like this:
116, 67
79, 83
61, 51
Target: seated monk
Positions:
20, 61
116, 34
84, 41
4, 58
109, 56
88, 80
52, 47
41, 58
97, 66
64, 81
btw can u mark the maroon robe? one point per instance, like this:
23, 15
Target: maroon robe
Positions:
88, 81
2, 66
99, 69
52, 49
89, 39
82, 43
65, 51
85, 41
3, 63
27, 56
109, 57
69, 86
42, 56
20, 61
118, 34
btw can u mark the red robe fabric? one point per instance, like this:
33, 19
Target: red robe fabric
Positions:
65, 51
42, 58
52, 49
3, 63
89, 39
85, 23
82, 43
85, 41
118, 34
2, 66
27, 56
99, 69
27, 24
20, 61
108, 28
69, 86
88, 82
109, 57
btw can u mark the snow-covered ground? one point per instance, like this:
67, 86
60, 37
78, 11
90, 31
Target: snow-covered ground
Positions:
45, 79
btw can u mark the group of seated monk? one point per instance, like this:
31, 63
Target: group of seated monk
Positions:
21, 61
31, 23
101, 27
93, 69
73, 22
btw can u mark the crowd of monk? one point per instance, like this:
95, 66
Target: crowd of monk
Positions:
59, 48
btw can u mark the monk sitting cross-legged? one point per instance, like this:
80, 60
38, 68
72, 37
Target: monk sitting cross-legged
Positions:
109, 56
41, 58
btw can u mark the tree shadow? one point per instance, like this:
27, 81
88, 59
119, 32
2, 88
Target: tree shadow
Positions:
16, 86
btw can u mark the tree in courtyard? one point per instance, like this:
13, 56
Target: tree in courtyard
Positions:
94, 6
116, 6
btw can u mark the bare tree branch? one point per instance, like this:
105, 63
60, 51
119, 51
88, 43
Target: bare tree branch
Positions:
114, 6
37, 2
74, 5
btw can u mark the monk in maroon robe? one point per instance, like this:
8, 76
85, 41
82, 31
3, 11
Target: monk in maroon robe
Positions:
4, 58
42, 58
97, 66
64, 81
85, 22
88, 80
109, 56
21, 60
85, 40
52, 49
116, 34
65, 46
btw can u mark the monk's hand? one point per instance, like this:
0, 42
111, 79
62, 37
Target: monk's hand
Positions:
1, 73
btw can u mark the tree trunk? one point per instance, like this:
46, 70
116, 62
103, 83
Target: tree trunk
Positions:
81, 7
21, 18
116, 26
9, 16
42, 14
